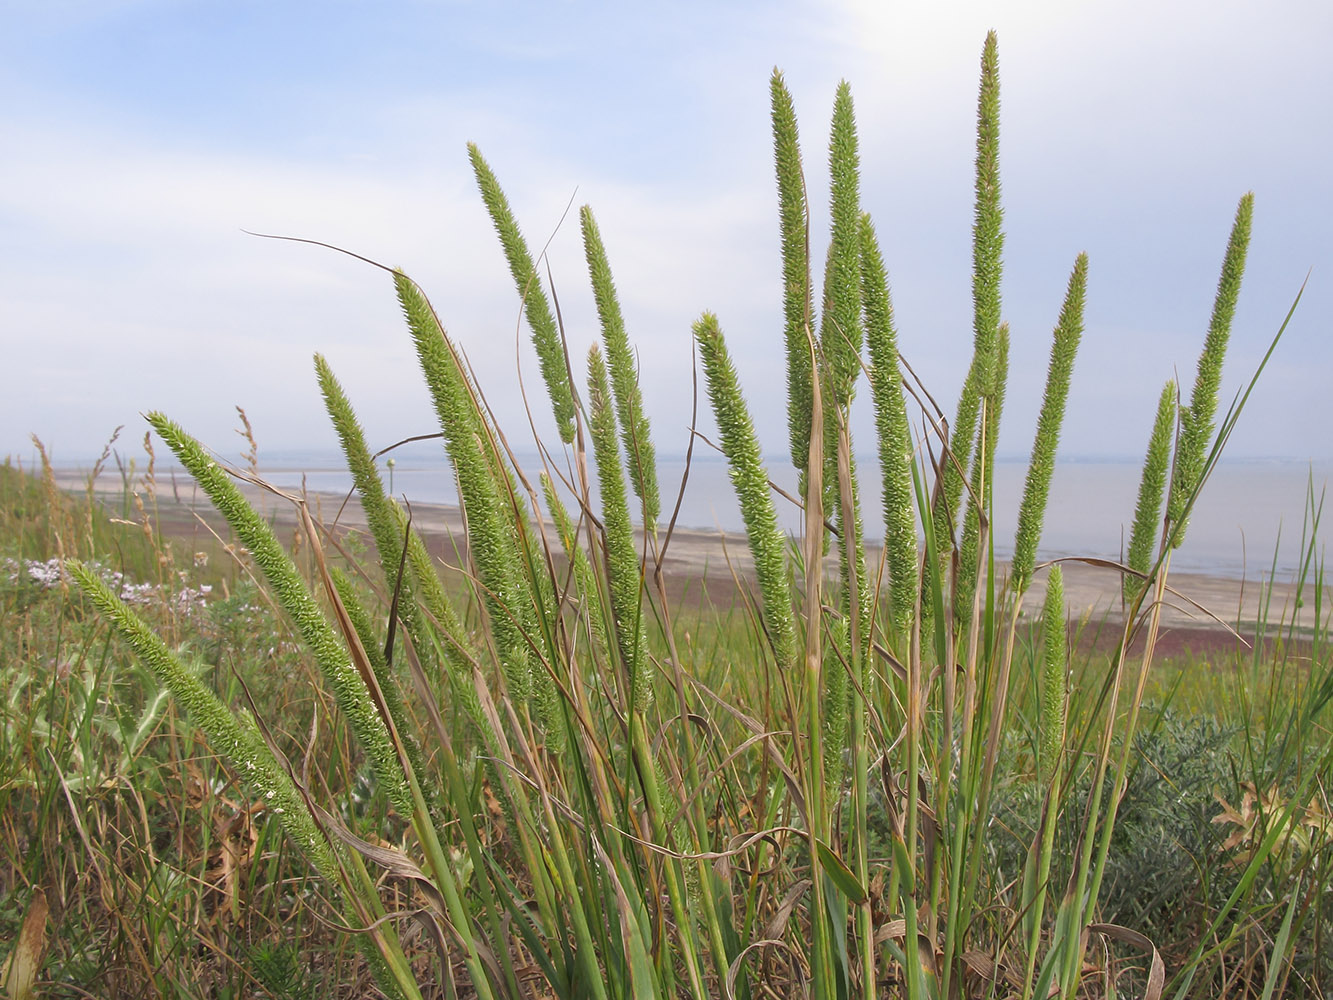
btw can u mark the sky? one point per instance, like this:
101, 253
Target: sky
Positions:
140, 139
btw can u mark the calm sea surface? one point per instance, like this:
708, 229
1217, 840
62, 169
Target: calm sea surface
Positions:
1250, 511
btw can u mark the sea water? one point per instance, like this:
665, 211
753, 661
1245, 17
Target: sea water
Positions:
1249, 520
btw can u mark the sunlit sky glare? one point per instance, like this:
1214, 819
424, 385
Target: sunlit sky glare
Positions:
138, 138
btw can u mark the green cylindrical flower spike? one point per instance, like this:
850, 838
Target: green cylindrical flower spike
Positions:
492, 540
894, 432
987, 266
1196, 420
621, 559
234, 738
1037, 489
840, 331
389, 528
797, 307
380, 513
854, 554
750, 479
634, 429
365, 477
1147, 514
393, 697
987, 232
458, 651
284, 579
1054, 666
545, 335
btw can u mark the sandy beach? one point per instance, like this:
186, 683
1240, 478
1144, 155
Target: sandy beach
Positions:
1199, 613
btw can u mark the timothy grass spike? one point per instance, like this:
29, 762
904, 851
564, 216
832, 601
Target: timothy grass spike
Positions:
988, 232
634, 429
333, 658
841, 332
750, 479
981, 483
1196, 420
1148, 511
545, 335
987, 266
234, 737
1055, 665
492, 541
1041, 466
894, 432
798, 309
622, 561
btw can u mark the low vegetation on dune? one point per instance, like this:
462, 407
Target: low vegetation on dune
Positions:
241, 765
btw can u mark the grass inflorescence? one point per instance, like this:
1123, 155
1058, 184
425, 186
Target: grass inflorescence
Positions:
548, 777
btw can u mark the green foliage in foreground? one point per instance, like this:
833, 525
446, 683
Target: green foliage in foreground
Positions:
876, 781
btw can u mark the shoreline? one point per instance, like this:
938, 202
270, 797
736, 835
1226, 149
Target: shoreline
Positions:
714, 567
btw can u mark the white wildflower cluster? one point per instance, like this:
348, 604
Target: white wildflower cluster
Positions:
49, 574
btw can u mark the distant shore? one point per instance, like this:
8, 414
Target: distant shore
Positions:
713, 567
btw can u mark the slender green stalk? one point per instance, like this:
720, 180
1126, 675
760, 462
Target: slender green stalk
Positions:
634, 429
1036, 489
1196, 420
798, 309
1050, 755
584, 578
750, 479
1152, 485
545, 335
980, 497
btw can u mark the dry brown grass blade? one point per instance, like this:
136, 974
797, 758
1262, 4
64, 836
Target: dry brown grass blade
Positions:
981, 965
891, 930
24, 962
896, 930
755, 728
433, 918
894, 663
733, 972
1101, 563
777, 924
1156, 968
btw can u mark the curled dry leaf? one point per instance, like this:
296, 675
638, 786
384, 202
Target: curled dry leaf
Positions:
1156, 968
20, 971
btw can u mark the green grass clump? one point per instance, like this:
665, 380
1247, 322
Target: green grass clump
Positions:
854, 781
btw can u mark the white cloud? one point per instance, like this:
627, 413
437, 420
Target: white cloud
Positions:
1129, 131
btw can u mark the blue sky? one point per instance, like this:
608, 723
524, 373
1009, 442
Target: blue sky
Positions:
141, 137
